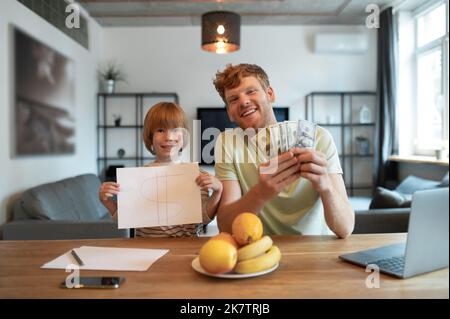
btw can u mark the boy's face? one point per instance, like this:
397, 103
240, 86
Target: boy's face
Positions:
249, 104
167, 143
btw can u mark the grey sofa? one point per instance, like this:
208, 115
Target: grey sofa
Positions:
389, 220
390, 209
66, 209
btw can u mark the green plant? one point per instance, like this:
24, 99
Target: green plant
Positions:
111, 71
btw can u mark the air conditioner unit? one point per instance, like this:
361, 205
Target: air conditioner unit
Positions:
341, 43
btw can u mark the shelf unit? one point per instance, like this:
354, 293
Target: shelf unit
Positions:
339, 113
132, 108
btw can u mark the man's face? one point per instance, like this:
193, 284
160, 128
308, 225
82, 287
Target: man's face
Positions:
249, 104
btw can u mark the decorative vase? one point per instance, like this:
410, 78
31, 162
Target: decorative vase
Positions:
362, 145
110, 86
364, 115
440, 154
120, 152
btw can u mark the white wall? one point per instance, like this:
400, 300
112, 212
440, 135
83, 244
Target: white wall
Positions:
18, 174
166, 59
170, 59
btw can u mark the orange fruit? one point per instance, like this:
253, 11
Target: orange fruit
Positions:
226, 237
218, 256
247, 228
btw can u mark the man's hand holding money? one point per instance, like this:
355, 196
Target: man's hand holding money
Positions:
313, 167
277, 174
295, 140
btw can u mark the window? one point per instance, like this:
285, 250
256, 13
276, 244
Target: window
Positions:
431, 79
431, 26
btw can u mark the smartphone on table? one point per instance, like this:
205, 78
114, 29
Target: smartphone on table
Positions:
96, 283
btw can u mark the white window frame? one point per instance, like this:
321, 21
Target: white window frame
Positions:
442, 44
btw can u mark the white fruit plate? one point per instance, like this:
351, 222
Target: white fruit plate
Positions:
197, 267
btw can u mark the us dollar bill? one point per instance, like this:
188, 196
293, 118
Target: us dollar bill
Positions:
306, 134
280, 137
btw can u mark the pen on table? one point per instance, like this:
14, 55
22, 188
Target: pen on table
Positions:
77, 258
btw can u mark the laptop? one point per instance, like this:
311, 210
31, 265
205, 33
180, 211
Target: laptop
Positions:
426, 247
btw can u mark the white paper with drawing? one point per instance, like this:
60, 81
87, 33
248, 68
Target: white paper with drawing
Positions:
158, 196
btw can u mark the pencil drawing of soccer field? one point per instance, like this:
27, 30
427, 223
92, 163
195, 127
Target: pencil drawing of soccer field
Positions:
158, 196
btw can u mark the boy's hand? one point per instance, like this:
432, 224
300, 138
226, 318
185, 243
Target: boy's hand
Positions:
108, 190
207, 181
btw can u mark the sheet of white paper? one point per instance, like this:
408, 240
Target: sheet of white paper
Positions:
108, 258
158, 196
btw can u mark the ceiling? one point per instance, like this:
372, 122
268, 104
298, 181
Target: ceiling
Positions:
253, 12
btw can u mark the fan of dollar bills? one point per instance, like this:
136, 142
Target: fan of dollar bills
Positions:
279, 138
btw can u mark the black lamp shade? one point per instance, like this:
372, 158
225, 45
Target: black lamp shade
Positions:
221, 31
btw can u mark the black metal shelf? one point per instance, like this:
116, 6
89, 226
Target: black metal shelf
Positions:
356, 155
121, 126
143, 94
126, 158
362, 186
367, 187
341, 93
136, 107
346, 127
346, 124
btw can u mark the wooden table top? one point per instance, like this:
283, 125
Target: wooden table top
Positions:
309, 268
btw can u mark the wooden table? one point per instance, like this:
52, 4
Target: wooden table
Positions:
309, 268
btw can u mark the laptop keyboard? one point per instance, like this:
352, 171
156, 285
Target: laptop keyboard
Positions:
392, 264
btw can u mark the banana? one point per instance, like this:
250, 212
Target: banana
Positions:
260, 263
255, 249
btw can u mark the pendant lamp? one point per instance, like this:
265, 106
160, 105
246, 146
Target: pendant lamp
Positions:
221, 31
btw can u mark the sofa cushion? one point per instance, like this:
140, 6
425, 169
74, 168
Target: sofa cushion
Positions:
385, 198
74, 198
444, 181
411, 184
391, 220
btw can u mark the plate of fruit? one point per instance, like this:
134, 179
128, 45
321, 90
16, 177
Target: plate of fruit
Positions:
244, 253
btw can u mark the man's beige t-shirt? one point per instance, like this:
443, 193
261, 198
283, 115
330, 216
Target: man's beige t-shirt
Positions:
298, 208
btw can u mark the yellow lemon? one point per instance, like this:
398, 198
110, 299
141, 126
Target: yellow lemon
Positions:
218, 256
